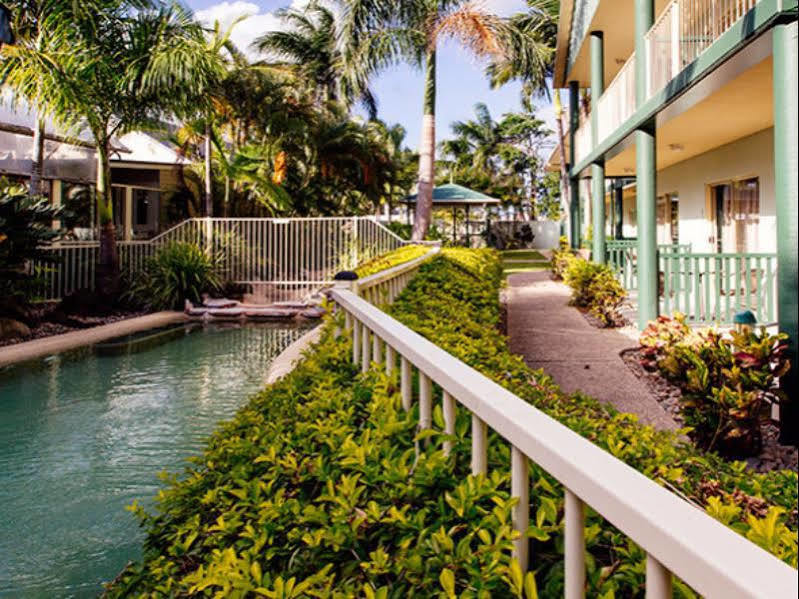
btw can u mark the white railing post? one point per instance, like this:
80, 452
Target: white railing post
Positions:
391, 359
356, 341
425, 401
450, 414
365, 348
520, 488
675, 39
405, 382
479, 455
377, 354
658, 580
574, 531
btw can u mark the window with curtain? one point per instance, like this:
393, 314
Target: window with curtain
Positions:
736, 215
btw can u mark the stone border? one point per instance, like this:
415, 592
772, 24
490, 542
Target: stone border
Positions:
288, 359
45, 346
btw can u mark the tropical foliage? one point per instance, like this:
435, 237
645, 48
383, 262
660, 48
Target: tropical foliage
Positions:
728, 382
321, 485
177, 272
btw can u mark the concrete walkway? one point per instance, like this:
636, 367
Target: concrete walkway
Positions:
553, 336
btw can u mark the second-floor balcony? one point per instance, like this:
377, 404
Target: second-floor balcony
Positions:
682, 32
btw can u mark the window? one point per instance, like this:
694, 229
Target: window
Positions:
668, 218
735, 215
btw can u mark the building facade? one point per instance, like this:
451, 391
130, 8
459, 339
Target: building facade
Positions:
683, 150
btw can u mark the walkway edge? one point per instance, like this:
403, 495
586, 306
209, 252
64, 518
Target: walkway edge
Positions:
288, 359
37, 348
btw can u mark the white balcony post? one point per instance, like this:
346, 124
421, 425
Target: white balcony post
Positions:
479, 436
356, 341
574, 546
675, 39
450, 414
377, 353
658, 580
405, 382
520, 488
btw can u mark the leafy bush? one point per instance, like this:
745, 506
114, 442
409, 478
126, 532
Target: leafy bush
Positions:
319, 487
177, 272
26, 224
403, 254
595, 287
726, 381
562, 257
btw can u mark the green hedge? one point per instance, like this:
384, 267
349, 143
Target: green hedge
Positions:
319, 488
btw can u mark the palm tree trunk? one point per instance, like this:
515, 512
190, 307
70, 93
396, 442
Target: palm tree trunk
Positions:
107, 275
564, 173
427, 152
37, 167
209, 200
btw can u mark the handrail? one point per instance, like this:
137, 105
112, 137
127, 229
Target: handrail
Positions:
390, 273
678, 537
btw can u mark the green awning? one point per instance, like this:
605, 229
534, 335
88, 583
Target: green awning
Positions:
455, 195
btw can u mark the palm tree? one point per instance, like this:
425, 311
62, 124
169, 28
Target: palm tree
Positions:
383, 32
480, 139
24, 64
311, 48
126, 66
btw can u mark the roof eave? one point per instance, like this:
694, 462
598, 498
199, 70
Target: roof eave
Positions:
562, 48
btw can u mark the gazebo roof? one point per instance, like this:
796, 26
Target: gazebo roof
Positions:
455, 195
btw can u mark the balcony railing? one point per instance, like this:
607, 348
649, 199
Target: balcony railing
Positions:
708, 288
684, 30
678, 538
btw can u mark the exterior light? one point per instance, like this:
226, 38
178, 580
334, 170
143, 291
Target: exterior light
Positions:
676, 147
6, 34
744, 321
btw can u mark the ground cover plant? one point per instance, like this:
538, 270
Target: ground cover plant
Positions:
401, 255
320, 487
728, 382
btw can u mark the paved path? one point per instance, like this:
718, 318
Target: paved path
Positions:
552, 335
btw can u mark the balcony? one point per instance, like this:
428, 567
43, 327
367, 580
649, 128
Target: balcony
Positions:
682, 32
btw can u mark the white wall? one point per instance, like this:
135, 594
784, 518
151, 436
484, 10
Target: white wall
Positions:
751, 156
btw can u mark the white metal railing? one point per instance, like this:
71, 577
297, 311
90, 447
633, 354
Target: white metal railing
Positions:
278, 258
617, 104
679, 539
684, 30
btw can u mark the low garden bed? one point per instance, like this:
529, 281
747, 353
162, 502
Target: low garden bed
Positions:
320, 488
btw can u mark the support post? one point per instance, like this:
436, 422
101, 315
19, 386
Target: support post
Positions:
786, 131
128, 213
574, 192
597, 170
56, 199
645, 176
520, 487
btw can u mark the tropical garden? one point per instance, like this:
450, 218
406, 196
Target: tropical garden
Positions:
322, 484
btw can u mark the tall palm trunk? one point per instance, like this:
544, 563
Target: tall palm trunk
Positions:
427, 152
209, 200
107, 275
37, 168
564, 172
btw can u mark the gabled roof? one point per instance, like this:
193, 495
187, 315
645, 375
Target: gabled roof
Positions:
452, 194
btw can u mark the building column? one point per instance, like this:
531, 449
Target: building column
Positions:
597, 170
56, 199
645, 177
574, 192
786, 170
128, 213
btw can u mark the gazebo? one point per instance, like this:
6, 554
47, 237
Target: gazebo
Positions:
454, 196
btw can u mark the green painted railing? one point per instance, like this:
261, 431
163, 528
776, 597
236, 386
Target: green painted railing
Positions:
622, 257
711, 288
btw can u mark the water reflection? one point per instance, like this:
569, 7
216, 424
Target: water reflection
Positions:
83, 436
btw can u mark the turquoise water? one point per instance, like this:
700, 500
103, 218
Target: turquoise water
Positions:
82, 435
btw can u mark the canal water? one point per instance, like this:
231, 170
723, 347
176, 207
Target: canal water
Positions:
84, 434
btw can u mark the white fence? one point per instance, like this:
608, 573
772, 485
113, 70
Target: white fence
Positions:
679, 539
277, 258
546, 233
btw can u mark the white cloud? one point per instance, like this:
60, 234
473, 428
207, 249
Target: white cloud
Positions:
244, 33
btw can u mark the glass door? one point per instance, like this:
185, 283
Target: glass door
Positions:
735, 215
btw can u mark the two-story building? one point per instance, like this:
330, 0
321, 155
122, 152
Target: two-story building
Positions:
683, 152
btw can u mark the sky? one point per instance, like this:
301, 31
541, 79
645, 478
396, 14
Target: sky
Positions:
461, 79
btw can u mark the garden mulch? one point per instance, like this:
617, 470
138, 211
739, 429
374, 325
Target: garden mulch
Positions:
557, 338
